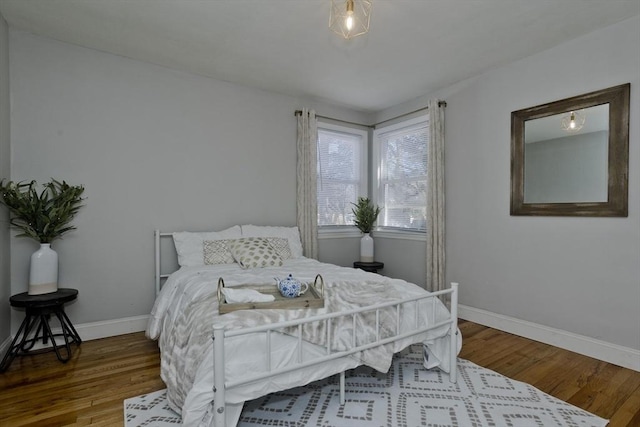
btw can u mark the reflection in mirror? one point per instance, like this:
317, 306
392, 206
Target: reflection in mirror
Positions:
571, 157
567, 165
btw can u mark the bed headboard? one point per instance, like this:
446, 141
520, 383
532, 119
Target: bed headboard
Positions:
166, 257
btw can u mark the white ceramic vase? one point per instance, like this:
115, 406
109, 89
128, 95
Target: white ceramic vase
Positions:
366, 248
43, 272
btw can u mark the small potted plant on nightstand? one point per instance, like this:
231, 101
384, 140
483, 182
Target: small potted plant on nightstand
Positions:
365, 217
43, 216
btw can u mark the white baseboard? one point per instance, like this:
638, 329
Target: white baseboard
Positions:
93, 331
601, 350
110, 328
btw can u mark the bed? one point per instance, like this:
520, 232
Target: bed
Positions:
213, 363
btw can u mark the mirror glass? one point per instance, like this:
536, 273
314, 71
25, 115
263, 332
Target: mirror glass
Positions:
567, 165
570, 157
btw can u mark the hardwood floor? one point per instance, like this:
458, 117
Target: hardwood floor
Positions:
37, 390
88, 390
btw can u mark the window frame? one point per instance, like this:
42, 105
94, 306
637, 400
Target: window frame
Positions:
340, 231
393, 232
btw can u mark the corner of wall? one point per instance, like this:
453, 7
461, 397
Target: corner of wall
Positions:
5, 172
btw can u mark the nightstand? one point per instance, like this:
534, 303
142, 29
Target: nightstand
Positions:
371, 267
39, 309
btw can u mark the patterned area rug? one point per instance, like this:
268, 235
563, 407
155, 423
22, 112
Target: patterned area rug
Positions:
407, 396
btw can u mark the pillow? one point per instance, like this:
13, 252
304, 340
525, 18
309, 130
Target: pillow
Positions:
217, 252
190, 246
281, 246
252, 252
292, 234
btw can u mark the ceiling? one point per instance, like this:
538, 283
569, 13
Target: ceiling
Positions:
414, 47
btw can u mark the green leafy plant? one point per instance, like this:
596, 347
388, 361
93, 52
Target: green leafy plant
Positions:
43, 216
365, 214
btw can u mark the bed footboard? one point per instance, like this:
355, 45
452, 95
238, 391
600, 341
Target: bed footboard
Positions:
222, 384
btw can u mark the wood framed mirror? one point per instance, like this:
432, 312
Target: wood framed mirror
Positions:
571, 157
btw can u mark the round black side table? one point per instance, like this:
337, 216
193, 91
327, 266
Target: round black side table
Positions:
371, 267
39, 309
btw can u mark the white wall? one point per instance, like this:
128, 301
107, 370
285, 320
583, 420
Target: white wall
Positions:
580, 275
154, 148
572, 282
402, 258
575, 275
5, 170
133, 133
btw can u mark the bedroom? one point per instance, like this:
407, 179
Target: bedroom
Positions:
160, 148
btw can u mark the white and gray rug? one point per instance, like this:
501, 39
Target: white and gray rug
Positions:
407, 396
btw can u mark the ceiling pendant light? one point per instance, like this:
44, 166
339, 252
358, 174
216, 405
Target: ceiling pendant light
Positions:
573, 121
350, 18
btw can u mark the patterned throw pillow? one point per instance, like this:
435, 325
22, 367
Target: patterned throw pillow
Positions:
252, 252
217, 252
292, 234
281, 246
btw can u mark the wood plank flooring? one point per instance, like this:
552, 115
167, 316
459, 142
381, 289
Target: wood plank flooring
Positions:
37, 390
88, 390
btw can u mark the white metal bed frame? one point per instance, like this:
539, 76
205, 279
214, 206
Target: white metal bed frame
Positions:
221, 384
159, 276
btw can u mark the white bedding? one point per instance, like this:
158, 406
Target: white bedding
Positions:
184, 313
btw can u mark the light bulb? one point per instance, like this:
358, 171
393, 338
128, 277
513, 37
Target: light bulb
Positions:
573, 121
349, 21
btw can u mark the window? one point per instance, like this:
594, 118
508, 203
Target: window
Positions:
342, 173
401, 158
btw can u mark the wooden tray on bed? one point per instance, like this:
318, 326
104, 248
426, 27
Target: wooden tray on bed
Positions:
313, 298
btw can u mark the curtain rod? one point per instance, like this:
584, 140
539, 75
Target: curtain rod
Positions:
373, 126
298, 112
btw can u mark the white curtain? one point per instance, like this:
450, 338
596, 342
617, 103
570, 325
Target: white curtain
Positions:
435, 280
307, 200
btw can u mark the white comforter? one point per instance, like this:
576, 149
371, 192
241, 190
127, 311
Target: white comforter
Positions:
186, 309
